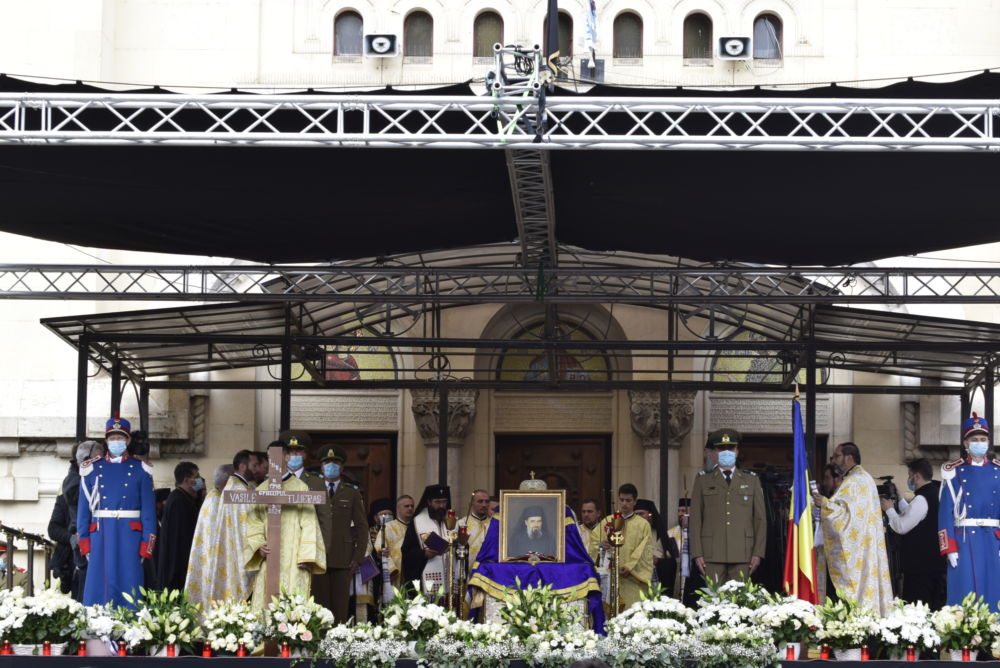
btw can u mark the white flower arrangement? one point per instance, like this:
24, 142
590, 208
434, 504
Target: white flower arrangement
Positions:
845, 625
414, 619
907, 625
532, 610
49, 615
298, 620
652, 632
967, 625
162, 618
731, 602
13, 612
738, 643
789, 619
468, 645
560, 648
227, 624
104, 623
995, 632
362, 646
743, 592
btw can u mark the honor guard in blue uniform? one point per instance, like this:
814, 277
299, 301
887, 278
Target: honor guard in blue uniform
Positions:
969, 518
116, 519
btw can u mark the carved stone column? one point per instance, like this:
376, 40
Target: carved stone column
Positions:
461, 413
646, 416
645, 412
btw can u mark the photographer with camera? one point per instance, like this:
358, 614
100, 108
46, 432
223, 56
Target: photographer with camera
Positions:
921, 563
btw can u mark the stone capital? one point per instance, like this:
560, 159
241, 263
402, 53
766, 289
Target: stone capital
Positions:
461, 412
645, 413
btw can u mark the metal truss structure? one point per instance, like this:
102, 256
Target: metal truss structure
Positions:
531, 185
502, 284
429, 121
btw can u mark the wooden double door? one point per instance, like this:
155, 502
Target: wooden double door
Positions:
579, 464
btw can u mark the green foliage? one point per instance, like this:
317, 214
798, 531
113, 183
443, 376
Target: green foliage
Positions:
161, 618
536, 609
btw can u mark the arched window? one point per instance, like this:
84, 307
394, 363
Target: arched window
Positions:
347, 34
697, 36
418, 35
486, 31
767, 37
627, 36
532, 364
565, 35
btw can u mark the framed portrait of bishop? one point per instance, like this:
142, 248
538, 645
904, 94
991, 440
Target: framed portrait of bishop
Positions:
532, 525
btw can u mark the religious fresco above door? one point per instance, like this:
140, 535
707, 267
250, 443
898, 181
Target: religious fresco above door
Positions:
532, 364
751, 366
358, 361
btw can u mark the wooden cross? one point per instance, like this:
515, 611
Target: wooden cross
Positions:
275, 497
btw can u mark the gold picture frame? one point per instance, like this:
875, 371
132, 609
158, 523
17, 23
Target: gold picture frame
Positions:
548, 534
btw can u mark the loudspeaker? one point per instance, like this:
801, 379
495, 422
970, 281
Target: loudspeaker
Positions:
735, 48
381, 46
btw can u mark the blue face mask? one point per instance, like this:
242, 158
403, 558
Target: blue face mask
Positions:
199, 484
295, 462
910, 485
331, 470
978, 448
117, 448
727, 458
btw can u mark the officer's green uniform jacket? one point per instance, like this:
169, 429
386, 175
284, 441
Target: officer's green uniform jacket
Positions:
20, 579
728, 523
344, 542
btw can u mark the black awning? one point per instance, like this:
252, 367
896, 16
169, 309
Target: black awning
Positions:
319, 204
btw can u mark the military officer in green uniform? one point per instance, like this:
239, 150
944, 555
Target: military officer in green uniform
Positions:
728, 527
20, 575
344, 525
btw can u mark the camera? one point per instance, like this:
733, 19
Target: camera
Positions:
887, 489
139, 444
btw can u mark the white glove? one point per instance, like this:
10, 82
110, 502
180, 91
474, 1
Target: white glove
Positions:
953, 559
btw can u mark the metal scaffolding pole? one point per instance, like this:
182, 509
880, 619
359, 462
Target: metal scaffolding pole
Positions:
811, 453
443, 435
988, 386
116, 385
664, 503
285, 392
144, 408
82, 364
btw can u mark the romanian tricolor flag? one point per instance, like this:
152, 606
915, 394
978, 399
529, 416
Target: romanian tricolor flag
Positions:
800, 562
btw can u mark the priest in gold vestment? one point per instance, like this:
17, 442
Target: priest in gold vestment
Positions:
216, 569
853, 535
303, 553
477, 522
635, 556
